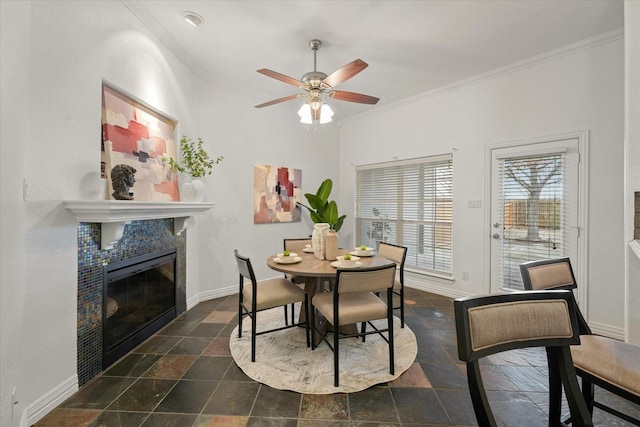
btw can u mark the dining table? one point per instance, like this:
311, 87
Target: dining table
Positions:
318, 275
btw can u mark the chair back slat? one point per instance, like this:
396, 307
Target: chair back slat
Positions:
393, 253
494, 323
296, 245
244, 267
552, 274
372, 279
548, 274
518, 321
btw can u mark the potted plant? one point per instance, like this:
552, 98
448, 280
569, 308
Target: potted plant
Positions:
321, 209
195, 159
195, 163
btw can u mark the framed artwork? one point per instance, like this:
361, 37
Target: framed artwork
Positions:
135, 138
276, 193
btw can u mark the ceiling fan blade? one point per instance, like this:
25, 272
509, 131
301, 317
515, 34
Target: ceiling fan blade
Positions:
279, 100
353, 97
281, 77
345, 73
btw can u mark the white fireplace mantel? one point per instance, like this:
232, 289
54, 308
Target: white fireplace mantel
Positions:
115, 214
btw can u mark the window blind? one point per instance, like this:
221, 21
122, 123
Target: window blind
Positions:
408, 203
532, 208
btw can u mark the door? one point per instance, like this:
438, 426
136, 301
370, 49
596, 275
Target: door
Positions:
534, 207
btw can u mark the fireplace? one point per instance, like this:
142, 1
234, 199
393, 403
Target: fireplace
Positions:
139, 299
141, 240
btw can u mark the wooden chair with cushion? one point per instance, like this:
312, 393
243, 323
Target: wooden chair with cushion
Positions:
354, 300
609, 363
255, 296
495, 323
295, 245
397, 254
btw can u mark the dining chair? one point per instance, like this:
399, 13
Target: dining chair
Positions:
606, 362
297, 246
352, 301
397, 254
255, 296
491, 324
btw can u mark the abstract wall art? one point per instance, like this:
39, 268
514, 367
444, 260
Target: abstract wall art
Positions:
276, 193
135, 139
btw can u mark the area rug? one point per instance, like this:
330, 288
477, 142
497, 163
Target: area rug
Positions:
284, 361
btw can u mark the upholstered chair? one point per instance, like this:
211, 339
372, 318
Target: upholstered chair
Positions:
492, 324
606, 362
354, 300
255, 296
397, 254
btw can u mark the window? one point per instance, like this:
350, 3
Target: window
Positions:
408, 203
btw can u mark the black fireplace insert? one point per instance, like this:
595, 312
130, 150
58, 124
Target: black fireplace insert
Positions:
139, 299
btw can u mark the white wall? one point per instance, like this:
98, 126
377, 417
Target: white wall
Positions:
575, 91
55, 56
632, 156
246, 136
14, 71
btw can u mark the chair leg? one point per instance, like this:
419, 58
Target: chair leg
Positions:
402, 306
311, 311
293, 312
286, 315
479, 399
555, 393
580, 415
253, 336
588, 394
305, 306
336, 350
363, 330
391, 349
240, 319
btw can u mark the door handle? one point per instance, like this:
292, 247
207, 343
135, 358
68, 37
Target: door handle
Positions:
495, 236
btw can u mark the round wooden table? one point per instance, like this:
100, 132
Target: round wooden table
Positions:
310, 266
314, 273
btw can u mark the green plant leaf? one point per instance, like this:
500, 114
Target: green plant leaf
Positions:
324, 190
331, 214
339, 222
314, 201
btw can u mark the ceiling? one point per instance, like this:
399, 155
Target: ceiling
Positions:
411, 47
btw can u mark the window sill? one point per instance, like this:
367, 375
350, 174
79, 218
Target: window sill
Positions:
441, 278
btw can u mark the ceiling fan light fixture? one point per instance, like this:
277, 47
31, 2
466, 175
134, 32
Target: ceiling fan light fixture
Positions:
326, 114
305, 114
192, 19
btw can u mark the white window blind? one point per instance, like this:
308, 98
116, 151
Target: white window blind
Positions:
408, 203
532, 208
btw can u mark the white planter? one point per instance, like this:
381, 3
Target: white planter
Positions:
192, 191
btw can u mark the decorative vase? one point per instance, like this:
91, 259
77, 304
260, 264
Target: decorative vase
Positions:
193, 191
330, 245
317, 239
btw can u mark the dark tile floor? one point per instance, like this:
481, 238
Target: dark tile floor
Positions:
184, 376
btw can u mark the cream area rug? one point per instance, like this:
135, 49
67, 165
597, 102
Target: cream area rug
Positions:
284, 361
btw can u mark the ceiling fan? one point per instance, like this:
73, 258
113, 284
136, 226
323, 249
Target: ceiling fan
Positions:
318, 85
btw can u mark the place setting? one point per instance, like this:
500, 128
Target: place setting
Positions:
347, 261
287, 257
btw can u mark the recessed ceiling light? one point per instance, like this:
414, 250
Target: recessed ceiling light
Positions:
192, 18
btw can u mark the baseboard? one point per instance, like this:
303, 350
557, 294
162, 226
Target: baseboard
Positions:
607, 330
212, 294
48, 402
434, 288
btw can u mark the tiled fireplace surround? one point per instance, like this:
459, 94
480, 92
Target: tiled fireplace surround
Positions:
140, 237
